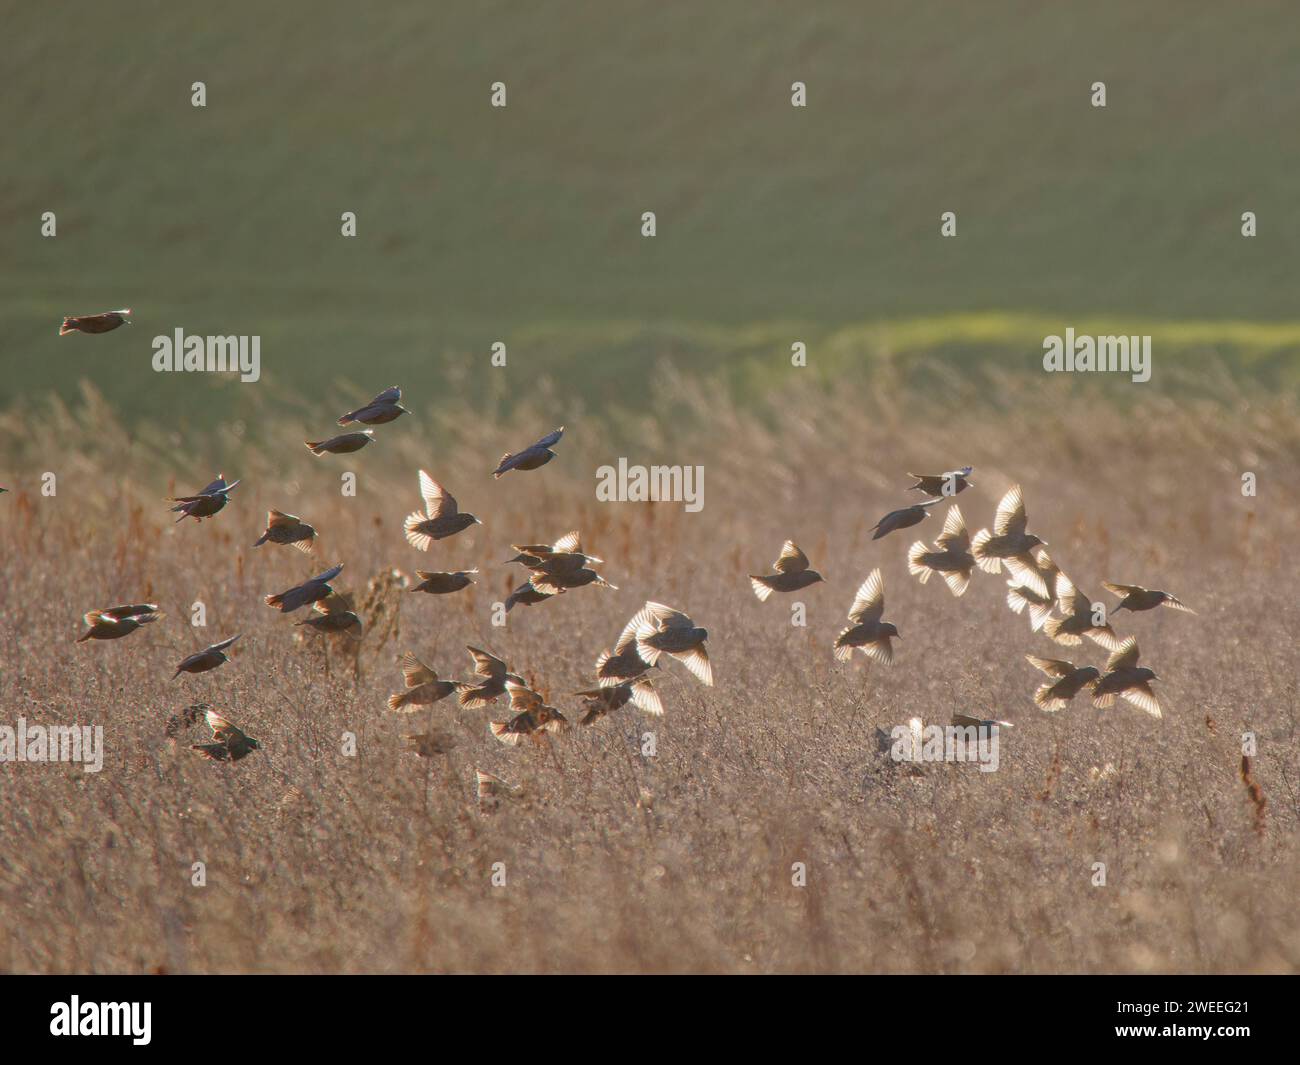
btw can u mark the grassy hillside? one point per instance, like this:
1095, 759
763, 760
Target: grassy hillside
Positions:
522, 224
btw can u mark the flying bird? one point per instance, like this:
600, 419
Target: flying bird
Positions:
625, 663
868, 632
951, 556
903, 519
229, 743
208, 501
792, 573
282, 528
208, 658
1020, 598
438, 583
564, 556
95, 323
943, 484
441, 517
1077, 618
423, 686
554, 583
343, 444
1067, 681
539, 454
427, 744
384, 408
597, 702
525, 595
496, 675
1010, 543
334, 616
310, 591
1124, 677
532, 718
662, 630
118, 621
490, 790
1135, 598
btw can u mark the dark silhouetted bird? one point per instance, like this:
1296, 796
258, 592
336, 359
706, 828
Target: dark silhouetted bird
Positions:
1067, 681
438, 583
334, 616
539, 454
208, 658
625, 663
441, 517
423, 686
210, 500
229, 743
95, 323
903, 519
1079, 617
282, 528
943, 484
1134, 597
792, 573
533, 718
1010, 543
495, 674
384, 408
343, 444
597, 702
118, 621
951, 557
868, 632
662, 630
310, 591
1124, 677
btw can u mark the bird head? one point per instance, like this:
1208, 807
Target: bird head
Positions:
889, 630
1034, 541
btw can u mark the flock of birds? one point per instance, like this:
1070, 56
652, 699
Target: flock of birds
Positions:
1054, 604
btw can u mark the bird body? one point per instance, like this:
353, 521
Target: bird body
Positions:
343, 444
597, 702
229, 743
441, 516
1009, 543
206, 503
951, 557
288, 529
869, 633
118, 621
334, 616
423, 686
661, 629
532, 457
1125, 678
384, 408
533, 718
1136, 598
1077, 618
207, 659
496, 675
943, 484
437, 583
95, 323
310, 591
903, 519
792, 573
1067, 681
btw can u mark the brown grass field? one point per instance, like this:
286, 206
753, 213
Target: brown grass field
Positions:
382, 862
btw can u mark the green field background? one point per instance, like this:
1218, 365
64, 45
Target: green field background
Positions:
522, 225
